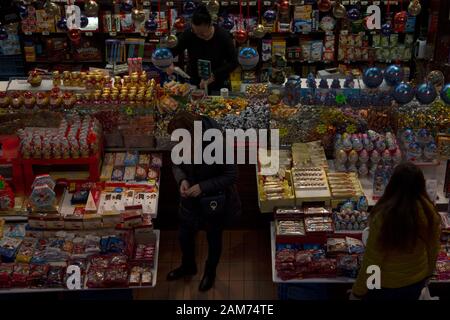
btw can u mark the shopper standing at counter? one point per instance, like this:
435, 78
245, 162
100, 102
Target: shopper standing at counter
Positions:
207, 41
403, 239
209, 200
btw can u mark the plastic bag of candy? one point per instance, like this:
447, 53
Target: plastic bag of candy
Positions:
95, 278
135, 276
20, 275
78, 247
100, 261
92, 244
8, 248
116, 245
354, 245
55, 276
147, 276
347, 265
26, 250
6, 270
116, 276
38, 275
118, 260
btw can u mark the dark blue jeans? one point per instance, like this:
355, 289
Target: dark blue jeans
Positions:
411, 292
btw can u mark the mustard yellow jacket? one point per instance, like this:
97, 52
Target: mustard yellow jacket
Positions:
400, 269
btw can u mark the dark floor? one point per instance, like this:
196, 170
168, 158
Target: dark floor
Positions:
243, 273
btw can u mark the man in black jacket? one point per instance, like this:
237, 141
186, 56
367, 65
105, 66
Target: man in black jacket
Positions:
197, 181
207, 41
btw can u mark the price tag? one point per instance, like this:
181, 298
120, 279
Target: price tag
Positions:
244, 3
146, 3
113, 34
377, 3
234, 3
225, 3
144, 34
45, 33
89, 34
345, 3
253, 3
364, 3
170, 4
267, 3
28, 33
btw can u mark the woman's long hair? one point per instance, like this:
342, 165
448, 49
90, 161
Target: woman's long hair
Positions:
399, 208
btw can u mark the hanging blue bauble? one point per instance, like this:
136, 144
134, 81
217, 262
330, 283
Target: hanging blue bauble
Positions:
248, 58
126, 6
189, 7
354, 14
228, 23
151, 25
403, 93
426, 93
445, 93
393, 75
3, 33
270, 16
162, 58
84, 21
386, 29
23, 11
62, 24
372, 77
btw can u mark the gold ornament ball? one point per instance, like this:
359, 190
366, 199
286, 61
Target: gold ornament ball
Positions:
172, 41
213, 7
259, 31
414, 8
51, 8
339, 11
91, 8
138, 16
436, 78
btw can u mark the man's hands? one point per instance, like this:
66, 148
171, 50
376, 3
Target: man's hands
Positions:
186, 191
170, 70
205, 83
184, 187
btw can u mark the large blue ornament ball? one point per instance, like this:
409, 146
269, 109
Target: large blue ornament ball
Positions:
354, 14
270, 15
445, 93
386, 29
162, 58
403, 93
248, 58
372, 77
62, 24
228, 24
189, 7
151, 25
426, 93
84, 21
393, 75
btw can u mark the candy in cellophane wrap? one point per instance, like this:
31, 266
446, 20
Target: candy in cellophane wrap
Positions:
6, 195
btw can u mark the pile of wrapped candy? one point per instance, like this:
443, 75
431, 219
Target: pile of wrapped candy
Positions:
362, 152
74, 138
293, 263
342, 258
419, 145
256, 115
107, 261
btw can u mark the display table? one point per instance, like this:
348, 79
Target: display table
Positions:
37, 290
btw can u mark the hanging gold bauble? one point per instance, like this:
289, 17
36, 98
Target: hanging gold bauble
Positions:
339, 11
172, 41
138, 15
213, 7
51, 8
259, 31
91, 8
414, 8
436, 78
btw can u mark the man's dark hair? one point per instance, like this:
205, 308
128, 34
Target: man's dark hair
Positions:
201, 16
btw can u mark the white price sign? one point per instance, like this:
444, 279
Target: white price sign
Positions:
45, 33
113, 34
89, 34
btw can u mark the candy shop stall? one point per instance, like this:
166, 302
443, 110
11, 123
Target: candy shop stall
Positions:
353, 88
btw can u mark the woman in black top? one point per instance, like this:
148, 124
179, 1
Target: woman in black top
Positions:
207, 41
198, 182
